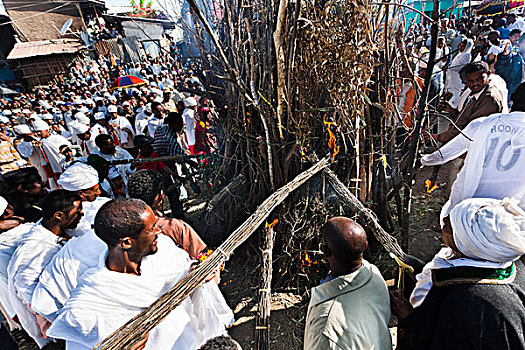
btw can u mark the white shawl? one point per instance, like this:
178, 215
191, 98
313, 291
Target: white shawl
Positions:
104, 300
35, 250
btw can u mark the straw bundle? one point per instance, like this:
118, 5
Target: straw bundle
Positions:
153, 315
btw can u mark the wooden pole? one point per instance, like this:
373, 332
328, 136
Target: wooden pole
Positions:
367, 216
145, 321
262, 323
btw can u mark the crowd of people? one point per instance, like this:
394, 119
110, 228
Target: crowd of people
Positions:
85, 172
85, 242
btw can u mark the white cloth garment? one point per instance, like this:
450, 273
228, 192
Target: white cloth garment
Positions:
27, 150
77, 177
35, 250
442, 260
90, 210
494, 162
453, 82
62, 274
8, 242
51, 147
489, 229
189, 119
104, 300
98, 129
120, 124
120, 153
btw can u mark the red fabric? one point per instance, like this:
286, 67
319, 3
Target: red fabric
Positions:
155, 165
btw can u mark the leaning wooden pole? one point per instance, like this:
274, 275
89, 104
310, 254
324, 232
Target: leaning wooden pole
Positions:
262, 322
145, 321
367, 216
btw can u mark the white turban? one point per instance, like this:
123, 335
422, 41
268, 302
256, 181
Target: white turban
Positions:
78, 128
4, 120
77, 177
489, 229
40, 125
112, 109
190, 102
99, 115
3, 205
22, 129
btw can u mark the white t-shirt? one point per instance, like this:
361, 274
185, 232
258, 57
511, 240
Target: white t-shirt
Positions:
495, 160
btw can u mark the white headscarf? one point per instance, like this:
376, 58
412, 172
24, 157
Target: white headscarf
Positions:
78, 176
489, 229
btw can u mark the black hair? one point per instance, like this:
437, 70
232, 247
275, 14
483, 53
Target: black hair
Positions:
101, 139
58, 201
154, 105
145, 185
515, 31
474, 67
518, 99
61, 148
175, 119
221, 342
119, 218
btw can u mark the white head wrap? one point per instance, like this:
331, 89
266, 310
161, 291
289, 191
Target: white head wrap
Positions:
7, 112
78, 176
22, 129
3, 205
99, 115
4, 120
112, 109
47, 116
78, 128
190, 102
489, 229
40, 125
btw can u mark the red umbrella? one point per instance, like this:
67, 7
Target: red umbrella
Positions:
126, 82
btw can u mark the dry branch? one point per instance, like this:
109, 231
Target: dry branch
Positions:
366, 215
238, 181
153, 315
262, 324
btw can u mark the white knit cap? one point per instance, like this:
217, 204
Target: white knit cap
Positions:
78, 176
22, 129
40, 125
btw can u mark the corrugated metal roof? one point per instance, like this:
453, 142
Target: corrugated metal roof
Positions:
44, 48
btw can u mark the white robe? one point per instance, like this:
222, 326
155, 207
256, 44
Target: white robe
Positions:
35, 250
120, 153
51, 148
104, 300
62, 274
27, 150
8, 242
189, 119
120, 124
90, 210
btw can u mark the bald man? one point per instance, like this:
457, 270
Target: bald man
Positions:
350, 309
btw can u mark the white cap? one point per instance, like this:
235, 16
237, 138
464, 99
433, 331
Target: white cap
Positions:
16, 111
112, 109
4, 120
3, 205
78, 102
40, 125
26, 111
78, 128
112, 98
190, 102
99, 115
47, 116
7, 112
22, 129
77, 177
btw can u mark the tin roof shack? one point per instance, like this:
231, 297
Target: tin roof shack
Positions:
47, 61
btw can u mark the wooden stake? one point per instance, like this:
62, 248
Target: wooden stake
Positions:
262, 323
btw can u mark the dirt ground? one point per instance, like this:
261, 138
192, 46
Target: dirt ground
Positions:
288, 309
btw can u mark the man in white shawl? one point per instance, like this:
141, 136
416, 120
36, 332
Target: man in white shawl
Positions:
454, 83
138, 267
50, 147
108, 151
494, 164
472, 294
61, 210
